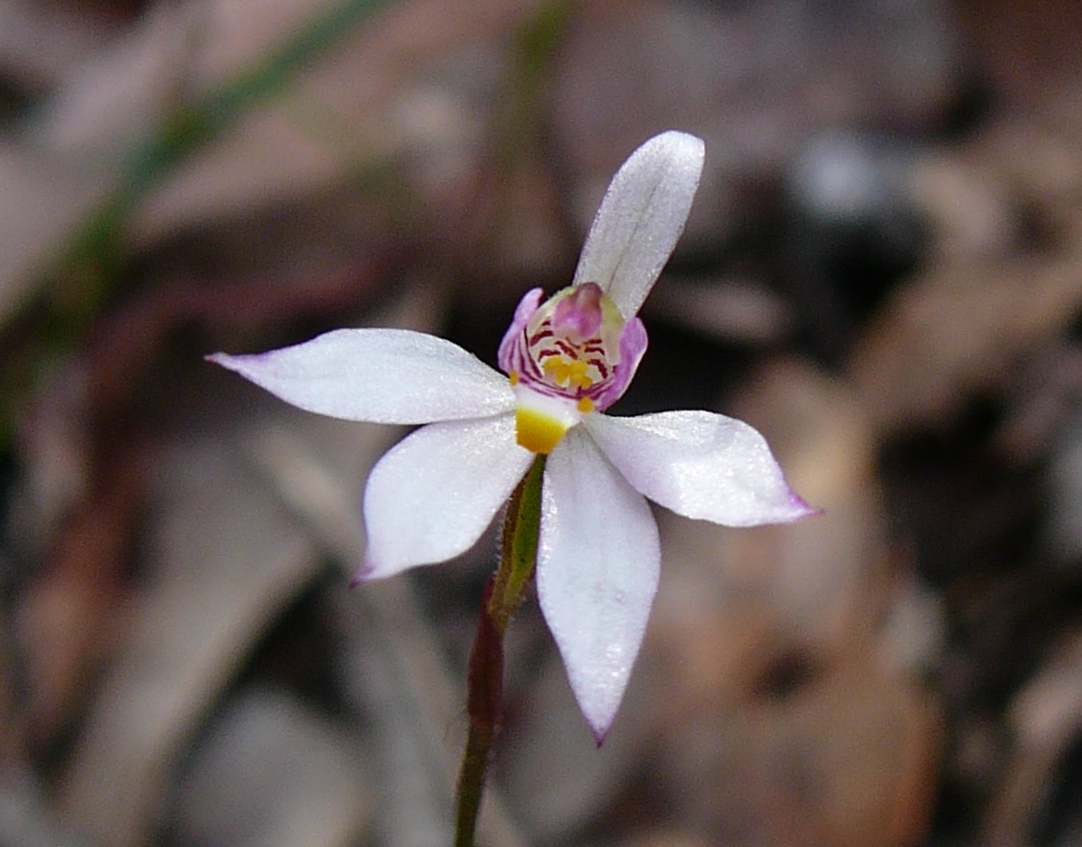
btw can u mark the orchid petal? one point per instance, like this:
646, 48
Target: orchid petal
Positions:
526, 307
378, 375
432, 496
597, 573
641, 218
633, 342
701, 465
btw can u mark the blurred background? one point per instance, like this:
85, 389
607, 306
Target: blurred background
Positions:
882, 272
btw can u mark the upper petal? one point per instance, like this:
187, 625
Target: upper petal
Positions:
378, 375
432, 496
701, 465
597, 572
641, 218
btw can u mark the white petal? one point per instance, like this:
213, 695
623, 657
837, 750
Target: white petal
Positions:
641, 218
597, 572
701, 465
433, 495
379, 375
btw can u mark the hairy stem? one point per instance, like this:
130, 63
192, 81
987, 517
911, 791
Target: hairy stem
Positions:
503, 595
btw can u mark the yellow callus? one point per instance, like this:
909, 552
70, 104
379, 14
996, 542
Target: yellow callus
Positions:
541, 420
537, 431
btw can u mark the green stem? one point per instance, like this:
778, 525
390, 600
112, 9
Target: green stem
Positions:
518, 547
503, 595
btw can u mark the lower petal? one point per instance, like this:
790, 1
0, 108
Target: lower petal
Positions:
597, 573
432, 496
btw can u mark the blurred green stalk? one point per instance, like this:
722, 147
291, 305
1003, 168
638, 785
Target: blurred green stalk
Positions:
192, 125
86, 273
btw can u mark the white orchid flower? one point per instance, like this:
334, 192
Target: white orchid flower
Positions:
564, 362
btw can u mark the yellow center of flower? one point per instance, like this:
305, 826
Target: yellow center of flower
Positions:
541, 420
566, 354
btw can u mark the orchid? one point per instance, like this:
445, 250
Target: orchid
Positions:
565, 361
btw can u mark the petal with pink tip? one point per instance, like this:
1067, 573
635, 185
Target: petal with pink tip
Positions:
641, 217
378, 375
597, 572
433, 495
701, 465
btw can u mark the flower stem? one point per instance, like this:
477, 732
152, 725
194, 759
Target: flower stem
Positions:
518, 547
503, 595
483, 702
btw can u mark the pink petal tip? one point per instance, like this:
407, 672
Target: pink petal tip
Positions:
808, 511
364, 574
